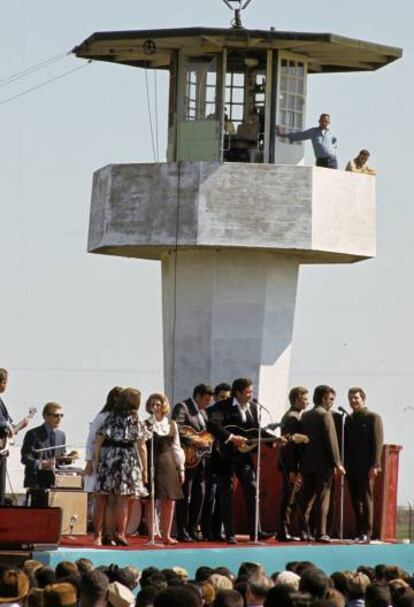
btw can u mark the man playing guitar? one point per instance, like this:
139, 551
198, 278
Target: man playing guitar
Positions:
6, 432
240, 411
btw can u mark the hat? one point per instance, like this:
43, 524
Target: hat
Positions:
14, 586
62, 594
119, 595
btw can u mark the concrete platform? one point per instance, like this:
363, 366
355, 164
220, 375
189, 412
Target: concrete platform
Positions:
316, 214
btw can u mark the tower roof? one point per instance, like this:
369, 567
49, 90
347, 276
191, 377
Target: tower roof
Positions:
151, 49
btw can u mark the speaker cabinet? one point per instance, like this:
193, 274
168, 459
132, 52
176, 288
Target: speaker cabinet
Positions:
74, 510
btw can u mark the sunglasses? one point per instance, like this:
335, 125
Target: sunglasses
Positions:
56, 414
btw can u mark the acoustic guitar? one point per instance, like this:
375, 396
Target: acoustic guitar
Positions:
196, 445
251, 434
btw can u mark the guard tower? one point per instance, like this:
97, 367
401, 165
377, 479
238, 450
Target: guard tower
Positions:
232, 213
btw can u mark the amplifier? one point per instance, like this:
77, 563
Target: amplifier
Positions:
68, 481
74, 505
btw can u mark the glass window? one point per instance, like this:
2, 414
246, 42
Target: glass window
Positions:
291, 95
201, 90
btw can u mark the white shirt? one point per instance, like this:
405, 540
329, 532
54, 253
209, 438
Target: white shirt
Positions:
243, 409
201, 419
162, 428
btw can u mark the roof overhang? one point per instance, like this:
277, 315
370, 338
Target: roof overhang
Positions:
154, 49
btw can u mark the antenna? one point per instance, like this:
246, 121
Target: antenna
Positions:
238, 8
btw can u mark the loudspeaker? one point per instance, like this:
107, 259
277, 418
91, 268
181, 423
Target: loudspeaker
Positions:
74, 506
23, 528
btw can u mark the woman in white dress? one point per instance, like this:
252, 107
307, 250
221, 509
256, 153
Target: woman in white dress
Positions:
89, 474
167, 467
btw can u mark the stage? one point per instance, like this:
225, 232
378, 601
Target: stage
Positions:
272, 555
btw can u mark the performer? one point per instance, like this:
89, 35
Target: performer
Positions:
363, 450
191, 412
211, 523
121, 462
235, 411
169, 473
319, 460
100, 499
40, 465
289, 461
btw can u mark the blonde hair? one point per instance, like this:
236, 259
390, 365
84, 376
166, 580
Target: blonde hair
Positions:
158, 396
220, 582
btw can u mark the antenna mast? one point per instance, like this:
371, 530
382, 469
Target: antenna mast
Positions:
240, 6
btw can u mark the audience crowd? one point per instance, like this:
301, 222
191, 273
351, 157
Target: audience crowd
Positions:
301, 584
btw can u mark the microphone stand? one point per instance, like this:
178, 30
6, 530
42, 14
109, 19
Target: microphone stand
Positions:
152, 542
342, 485
258, 474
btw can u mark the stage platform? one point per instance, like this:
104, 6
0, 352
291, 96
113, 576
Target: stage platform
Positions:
272, 555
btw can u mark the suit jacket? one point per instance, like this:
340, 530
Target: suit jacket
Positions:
321, 455
186, 413
38, 438
289, 454
363, 441
5, 420
222, 414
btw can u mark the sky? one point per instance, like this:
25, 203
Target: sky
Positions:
75, 324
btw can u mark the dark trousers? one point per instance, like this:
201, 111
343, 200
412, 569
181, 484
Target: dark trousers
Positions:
211, 517
244, 471
327, 163
189, 508
288, 505
316, 490
361, 489
37, 498
3, 474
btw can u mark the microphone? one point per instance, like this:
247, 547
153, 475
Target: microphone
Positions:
343, 411
256, 402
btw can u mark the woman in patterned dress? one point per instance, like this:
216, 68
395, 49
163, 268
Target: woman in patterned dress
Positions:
100, 499
168, 467
121, 462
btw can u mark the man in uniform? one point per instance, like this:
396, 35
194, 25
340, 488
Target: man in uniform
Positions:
363, 450
191, 412
320, 460
289, 461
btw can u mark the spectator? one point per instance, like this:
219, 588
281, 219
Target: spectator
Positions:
279, 596
146, 597
289, 578
93, 589
45, 576
377, 595
84, 565
257, 588
220, 583
203, 573
315, 582
14, 588
207, 593
335, 597
64, 569
119, 595
62, 594
359, 164
356, 584
228, 598
34, 598
178, 596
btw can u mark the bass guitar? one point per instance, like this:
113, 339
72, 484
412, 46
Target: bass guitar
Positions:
196, 445
9, 441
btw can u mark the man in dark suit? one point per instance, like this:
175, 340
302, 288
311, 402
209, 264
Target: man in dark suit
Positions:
191, 412
289, 461
39, 454
363, 449
6, 431
320, 459
226, 462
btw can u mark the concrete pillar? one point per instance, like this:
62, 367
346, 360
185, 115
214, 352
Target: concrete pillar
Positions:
228, 314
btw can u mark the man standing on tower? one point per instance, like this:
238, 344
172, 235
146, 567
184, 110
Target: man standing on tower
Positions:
191, 412
320, 460
289, 461
363, 450
323, 141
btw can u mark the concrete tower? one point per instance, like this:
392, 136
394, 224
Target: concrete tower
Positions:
233, 212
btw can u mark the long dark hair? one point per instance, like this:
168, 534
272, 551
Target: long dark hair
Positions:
128, 402
112, 399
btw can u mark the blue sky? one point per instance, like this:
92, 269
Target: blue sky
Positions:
75, 324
